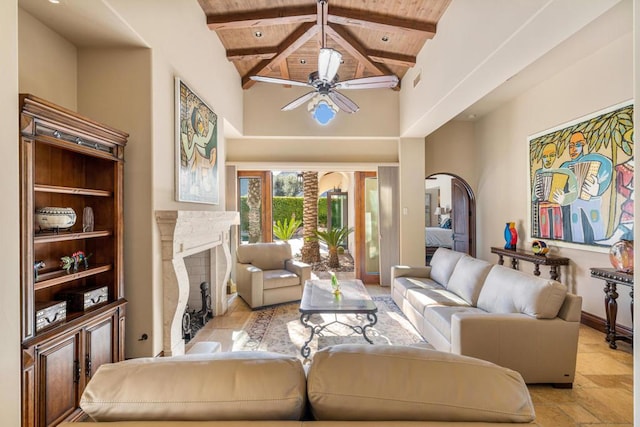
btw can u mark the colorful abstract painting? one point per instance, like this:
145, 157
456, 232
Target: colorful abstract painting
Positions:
581, 180
197, 148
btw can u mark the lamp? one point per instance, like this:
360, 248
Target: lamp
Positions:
438, 211
328, 63
300, 178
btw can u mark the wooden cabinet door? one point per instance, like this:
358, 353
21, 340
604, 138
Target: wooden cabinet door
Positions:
101, 344
59, 374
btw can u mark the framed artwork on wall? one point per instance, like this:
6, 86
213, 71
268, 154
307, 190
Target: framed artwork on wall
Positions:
197, 148
581, 180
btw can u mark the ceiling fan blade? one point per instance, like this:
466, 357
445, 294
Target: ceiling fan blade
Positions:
328, 63
369, 82
345, 104
276, 80
299, 101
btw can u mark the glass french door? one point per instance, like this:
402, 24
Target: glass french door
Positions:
338, 212
367, 231
254, 191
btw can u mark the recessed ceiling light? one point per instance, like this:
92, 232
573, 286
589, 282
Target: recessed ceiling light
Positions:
257, 33
54, 1
385, 38
471, 116
303, 61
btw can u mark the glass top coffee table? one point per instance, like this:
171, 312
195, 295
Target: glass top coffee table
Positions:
318, 298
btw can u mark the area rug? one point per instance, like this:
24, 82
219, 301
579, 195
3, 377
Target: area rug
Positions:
278, 328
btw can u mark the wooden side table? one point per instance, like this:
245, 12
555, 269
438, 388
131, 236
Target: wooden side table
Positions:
520, 255
612, 278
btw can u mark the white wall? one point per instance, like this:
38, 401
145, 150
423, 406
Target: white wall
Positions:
378, 115
203, 66
526, 30
114, 87
48, 63
411, 154
9, 216
600, 80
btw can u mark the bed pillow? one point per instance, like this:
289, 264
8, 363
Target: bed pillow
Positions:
446, 223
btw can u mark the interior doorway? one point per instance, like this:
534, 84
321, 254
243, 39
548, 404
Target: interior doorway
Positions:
452, 215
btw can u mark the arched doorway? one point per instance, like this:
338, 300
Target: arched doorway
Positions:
450, 214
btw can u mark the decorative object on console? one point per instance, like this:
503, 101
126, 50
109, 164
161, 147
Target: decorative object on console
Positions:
87, 219
82, 299
539, 247
510, 235
66, 262
50, 313
37, 265
621, 256
335, 285
52, 218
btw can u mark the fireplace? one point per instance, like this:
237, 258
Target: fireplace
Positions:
183, 234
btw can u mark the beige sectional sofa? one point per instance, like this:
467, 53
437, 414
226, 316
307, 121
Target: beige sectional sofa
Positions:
468, 306
345, 385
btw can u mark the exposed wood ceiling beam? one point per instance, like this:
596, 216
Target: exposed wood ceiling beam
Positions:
300, 36
284, 70
351, 45
359, 71
275, 16
251, 53
376, 21
390, 58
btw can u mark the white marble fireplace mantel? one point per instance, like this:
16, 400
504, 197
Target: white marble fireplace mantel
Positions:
184, 233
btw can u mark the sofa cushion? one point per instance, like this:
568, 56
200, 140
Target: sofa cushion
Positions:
506, 290
422, 298
402, 284
378, 382
221, 386
439, 317
273, 279
265, 256
442, 264
467, 278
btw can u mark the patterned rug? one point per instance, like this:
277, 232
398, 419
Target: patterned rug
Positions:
278, 329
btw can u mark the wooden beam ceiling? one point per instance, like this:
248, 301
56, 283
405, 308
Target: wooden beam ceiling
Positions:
276, 16
296, 39
379, 22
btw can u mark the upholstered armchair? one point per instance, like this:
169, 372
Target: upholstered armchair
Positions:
266, 274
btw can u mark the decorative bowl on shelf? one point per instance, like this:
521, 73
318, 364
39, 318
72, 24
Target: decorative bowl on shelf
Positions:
55, 218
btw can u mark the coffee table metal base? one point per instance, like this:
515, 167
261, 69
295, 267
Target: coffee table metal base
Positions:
317, 329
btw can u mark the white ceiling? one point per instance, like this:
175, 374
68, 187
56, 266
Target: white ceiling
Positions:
84, 23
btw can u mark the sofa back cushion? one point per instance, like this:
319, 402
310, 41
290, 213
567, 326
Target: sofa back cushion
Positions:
223, 386
467, 278
442, 264
265, 256
381, 383
506, 290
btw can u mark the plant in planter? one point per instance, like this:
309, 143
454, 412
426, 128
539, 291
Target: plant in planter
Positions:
332, 238
285, 230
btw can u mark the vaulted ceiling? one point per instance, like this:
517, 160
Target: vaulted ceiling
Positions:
282, 38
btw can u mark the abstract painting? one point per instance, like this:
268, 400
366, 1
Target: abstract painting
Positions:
581, 180
197, 148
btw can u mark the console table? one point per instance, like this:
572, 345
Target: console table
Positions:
612, 277
519, 255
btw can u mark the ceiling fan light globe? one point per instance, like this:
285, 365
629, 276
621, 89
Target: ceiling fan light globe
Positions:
328, 63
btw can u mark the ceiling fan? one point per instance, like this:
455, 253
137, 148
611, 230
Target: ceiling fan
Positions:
325, 81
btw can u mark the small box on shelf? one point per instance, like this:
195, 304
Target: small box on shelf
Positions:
85, 298
49, 313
